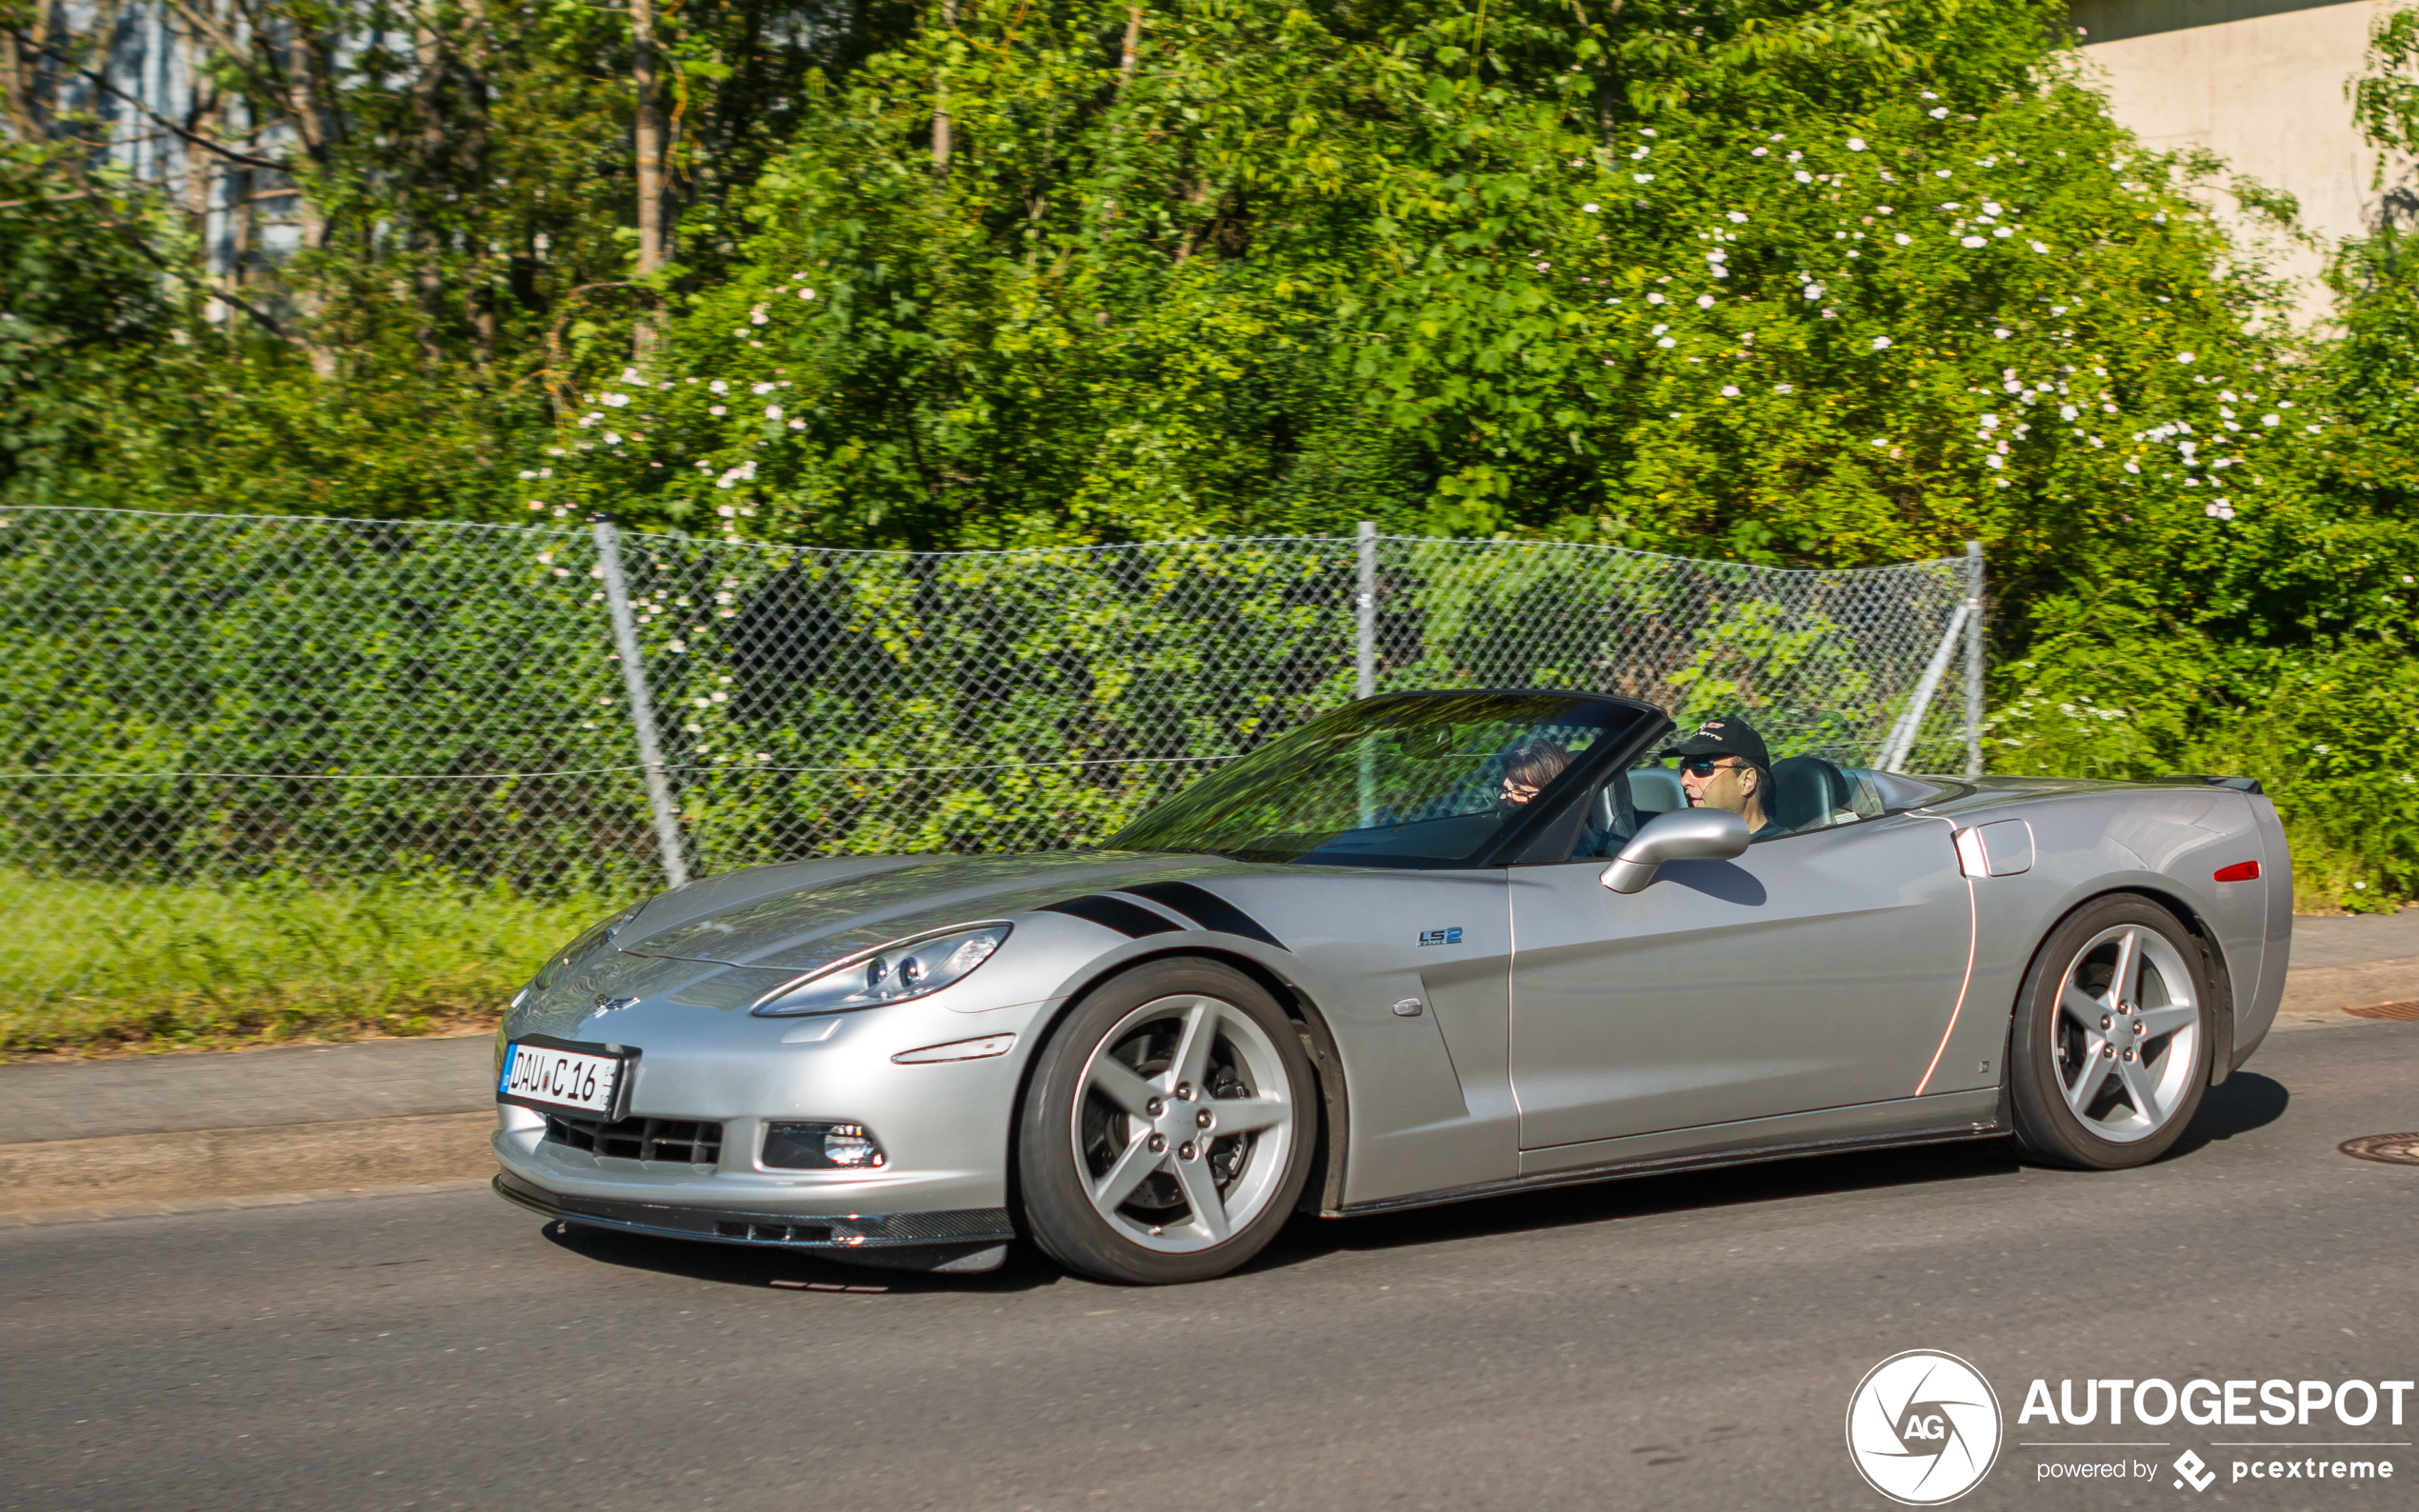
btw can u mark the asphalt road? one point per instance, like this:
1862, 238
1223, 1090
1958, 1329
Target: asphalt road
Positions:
1685, 1342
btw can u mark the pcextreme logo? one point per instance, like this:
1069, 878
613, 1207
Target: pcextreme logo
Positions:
1923, 1427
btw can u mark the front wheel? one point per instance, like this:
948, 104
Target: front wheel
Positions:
1168, 1130
2112, 1037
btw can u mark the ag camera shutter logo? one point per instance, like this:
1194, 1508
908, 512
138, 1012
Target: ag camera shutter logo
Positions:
1923, 1427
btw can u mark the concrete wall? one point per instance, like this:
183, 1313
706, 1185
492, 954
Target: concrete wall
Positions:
2261, 83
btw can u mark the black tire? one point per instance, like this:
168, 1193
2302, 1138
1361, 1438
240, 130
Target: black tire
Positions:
1071, 1135
2055, 1044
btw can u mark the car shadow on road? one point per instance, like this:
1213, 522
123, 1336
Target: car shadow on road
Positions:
2242, 1103
1642, 1196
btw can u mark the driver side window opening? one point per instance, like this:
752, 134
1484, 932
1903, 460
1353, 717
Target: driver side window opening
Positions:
1807, 793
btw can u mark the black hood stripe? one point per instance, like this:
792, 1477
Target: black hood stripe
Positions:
1129, 920
1205, 909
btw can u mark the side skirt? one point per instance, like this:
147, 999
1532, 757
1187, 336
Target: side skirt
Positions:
1657, 1165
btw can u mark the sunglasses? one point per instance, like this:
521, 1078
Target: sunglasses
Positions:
1705, 765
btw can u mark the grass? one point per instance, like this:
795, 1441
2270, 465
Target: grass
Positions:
106, 966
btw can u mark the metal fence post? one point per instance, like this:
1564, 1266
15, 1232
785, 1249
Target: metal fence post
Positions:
1365, 615
642, 706
1974, 658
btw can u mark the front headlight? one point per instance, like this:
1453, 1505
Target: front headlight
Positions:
908, 969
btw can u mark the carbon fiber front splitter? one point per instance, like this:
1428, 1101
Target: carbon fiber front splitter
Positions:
954, 1243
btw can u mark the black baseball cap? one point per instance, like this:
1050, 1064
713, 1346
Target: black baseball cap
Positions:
1724, 735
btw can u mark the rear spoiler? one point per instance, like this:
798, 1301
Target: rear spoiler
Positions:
2241, 785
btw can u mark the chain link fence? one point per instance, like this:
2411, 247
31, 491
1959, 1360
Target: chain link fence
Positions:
190, 703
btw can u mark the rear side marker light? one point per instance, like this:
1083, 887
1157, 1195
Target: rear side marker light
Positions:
983, 1048
2240, 871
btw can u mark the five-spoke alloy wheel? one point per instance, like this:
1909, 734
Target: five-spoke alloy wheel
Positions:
2113, 1038
1168, 1128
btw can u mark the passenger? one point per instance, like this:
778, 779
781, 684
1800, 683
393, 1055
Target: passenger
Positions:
1724, 764
1527, 772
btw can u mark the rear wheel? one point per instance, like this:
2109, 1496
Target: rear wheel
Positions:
1168, 1130
2112, 1037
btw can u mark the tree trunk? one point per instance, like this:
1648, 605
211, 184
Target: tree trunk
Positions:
941, 99
655, 235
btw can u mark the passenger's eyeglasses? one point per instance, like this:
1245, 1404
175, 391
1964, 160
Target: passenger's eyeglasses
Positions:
1705, 765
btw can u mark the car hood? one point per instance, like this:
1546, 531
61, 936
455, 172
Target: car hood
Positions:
774, 918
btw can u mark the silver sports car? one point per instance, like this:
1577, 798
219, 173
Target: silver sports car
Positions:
1432, 946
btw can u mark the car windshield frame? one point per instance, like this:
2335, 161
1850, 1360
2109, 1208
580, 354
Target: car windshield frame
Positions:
1456, 824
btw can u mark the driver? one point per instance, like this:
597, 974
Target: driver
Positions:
1527, 772
1723, 765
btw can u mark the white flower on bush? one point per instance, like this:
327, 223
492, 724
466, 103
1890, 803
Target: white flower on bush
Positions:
1589, 208
616, 401
2272, 420
1782, 388
718, 410
2224, 510
1902, 239
1804, 177
1705, 302
1881, 343
1738, 217
1654, 298
2002, 332
1994, 461
2040, 246
2067, 411
1969, 241
1729, 391
2134, 466
1667, 342
2183, 356
728, 511
757, 316
1643, 178
1938, 112
719, 387
1856, 143
806, 293
772, 412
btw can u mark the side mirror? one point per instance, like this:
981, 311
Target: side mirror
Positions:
1684, 834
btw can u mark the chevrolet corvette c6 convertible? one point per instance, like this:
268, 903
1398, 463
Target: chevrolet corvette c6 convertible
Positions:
1362, 970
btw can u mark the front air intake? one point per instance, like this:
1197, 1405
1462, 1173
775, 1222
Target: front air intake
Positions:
686, 1141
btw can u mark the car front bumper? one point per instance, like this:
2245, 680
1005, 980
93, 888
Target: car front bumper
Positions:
688, 1161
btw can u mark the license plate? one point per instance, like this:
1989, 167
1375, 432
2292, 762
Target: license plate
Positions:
556, 1076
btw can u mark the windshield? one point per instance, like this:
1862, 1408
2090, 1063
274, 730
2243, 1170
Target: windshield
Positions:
1411, 780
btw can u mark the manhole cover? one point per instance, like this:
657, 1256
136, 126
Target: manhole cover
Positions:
2394, 1149
2406, 1011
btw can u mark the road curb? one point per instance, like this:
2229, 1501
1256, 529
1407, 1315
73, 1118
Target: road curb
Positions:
2323, 990
256, 1161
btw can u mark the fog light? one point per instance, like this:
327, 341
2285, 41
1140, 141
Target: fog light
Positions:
821, 1148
